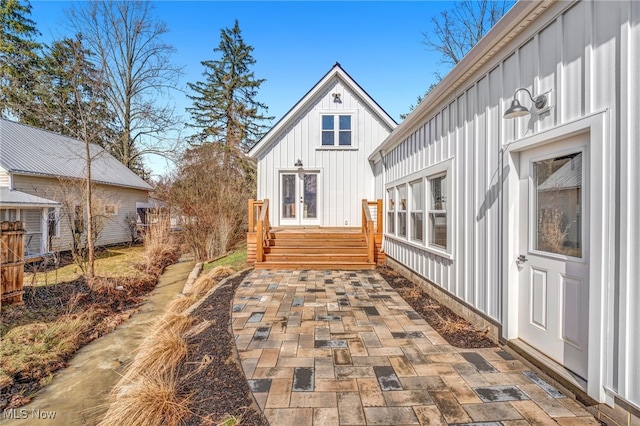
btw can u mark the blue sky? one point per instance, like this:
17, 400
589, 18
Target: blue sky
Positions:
296, 43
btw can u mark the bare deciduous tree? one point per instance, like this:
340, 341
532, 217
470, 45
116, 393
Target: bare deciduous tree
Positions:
209, 197
456, 31
127, 40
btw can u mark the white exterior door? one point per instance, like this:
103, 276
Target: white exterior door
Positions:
553, 260
299, 198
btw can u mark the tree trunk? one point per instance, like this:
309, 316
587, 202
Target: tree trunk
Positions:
89, 205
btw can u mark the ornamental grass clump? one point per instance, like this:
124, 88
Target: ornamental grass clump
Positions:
148, 392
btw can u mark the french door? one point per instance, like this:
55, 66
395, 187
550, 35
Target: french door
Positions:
299, 200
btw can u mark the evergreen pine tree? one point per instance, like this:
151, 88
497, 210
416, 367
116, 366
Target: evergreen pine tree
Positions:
19, 57
225, 109
71, 92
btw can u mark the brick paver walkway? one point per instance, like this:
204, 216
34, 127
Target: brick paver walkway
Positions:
343, 348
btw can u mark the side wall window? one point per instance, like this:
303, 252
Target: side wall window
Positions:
402, 211
438, 211
419, 209
78, 219
391, 211
53, 219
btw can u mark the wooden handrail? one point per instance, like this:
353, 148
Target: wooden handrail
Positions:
367, 230
263, 229
253, 205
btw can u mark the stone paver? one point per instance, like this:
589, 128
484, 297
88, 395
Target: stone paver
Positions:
343, 348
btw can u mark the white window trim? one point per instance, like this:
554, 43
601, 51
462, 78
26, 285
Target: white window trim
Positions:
336, 146
430, 210
444, 167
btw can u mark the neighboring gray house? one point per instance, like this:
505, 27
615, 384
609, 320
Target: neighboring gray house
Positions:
41, 184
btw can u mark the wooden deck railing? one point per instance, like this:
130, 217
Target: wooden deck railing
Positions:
371, 228
259, 223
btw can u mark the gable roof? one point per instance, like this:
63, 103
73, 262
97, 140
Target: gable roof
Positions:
335, 72
27, 150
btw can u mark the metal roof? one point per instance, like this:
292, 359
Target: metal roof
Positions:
12, 198
28, 150
566, 177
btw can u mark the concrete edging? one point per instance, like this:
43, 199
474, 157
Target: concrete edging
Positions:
191, 279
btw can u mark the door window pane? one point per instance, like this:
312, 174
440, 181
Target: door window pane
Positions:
288, 196
310, 196
558, 205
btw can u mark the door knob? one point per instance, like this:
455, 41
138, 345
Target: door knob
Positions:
521, 259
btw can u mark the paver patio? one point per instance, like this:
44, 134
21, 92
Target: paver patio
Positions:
343, 348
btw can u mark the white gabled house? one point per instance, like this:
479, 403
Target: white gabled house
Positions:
312, 165
528, 220
511, 192
41, 176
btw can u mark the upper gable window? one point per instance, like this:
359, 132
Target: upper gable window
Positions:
336, 130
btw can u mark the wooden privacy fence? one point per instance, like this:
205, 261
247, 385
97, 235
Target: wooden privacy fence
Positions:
12, 261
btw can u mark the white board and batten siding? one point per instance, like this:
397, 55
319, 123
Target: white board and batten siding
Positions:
345, 174
586, 56
115, 229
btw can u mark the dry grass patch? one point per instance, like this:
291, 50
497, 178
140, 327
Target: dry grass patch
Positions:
32, 351
152, 399
40, 336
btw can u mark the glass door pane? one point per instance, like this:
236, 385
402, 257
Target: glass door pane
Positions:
288, 196
558, 205
310, 205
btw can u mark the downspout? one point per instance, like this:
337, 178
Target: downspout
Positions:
384, 194
500, 262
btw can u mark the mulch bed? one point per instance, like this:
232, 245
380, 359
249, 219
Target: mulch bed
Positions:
453, 328
216, 382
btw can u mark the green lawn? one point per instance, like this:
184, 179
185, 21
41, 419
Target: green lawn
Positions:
112, 262
236, 260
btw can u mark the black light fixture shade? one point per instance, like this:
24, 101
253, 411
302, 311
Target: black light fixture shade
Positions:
298, 163
517, 110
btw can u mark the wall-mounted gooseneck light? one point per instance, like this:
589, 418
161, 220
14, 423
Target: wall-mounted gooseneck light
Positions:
517, 110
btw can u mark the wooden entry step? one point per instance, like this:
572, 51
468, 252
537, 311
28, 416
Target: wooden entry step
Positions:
315, 249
